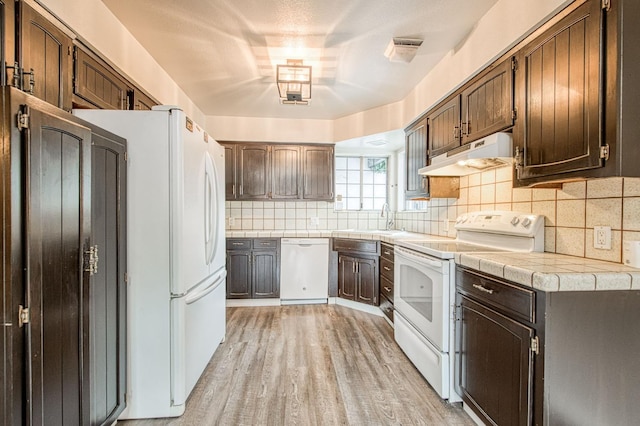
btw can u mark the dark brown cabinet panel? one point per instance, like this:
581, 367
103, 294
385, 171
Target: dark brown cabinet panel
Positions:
358, 278
96, 83
238, 274
253, 268
444, 127
7, 41
416, 186
230, 171
559, 77
45, 58
57, 236
386, 282
254, 172
285, 178
487, 104
347, 279
107, 291
140, 101
496, 364
318, 169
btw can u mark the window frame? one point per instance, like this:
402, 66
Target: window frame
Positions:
362, 158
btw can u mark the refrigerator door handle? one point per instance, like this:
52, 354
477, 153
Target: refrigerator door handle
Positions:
209, 197
208, 289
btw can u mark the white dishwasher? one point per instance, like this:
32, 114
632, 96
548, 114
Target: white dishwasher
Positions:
304, 270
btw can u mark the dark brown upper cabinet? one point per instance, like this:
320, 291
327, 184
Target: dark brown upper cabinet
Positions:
96, 83
253, 173
559, 78
285, 172
444, 127
256, 171
7, 41
141, 102
416, 186
44, 58
317, 172
487, 103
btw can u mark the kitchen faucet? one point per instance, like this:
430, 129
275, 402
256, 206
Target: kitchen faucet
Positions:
389, 218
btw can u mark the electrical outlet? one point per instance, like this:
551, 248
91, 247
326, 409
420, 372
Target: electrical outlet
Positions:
314, 221
446, 225
602, 237
232, 221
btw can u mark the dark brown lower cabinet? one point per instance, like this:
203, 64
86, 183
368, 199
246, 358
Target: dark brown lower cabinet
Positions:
358, 278
253, 268
48, 268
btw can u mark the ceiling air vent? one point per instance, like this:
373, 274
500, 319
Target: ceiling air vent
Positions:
402, 49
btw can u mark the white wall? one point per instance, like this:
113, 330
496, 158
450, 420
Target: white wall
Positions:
95, 24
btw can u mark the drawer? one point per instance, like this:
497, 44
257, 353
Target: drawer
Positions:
386, 306
503, 296
362, 246
386, 288
265, 243
386, 251
386, 268
239, 244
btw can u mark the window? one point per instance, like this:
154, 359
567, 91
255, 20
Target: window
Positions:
361, 182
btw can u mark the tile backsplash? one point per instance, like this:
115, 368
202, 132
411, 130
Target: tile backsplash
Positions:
571, 212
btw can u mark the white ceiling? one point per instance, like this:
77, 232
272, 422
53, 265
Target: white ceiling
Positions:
223, 54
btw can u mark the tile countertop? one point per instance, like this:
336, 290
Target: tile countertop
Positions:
386, 236
554, 272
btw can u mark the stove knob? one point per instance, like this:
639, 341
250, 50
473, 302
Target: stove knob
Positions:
526, 222
515, 221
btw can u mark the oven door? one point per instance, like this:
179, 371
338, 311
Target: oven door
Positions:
421, 294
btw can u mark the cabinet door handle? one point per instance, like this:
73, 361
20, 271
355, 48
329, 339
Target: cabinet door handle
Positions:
386, 268
237, 244
387, 252
233, 189
387, 289
482, 288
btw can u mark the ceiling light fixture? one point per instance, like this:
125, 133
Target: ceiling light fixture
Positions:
294, 82
402, 49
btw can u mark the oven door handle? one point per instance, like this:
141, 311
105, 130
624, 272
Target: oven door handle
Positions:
419, 258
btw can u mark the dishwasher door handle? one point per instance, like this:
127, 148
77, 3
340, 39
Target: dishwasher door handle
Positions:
305, 245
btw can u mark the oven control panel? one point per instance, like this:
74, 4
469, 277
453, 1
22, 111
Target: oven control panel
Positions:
501, 222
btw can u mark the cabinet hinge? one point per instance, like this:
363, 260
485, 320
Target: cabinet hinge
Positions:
514, 63
606, 5
126, 278
23, 316
535, 345
91, 260
23, 120
514, 114
604, 152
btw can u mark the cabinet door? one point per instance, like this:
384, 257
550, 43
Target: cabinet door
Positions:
347, 277
266, 282
96, 83
57, 236
285, 175
229, 171
253, 172
141, 102
8, 46
46, 55
558, 80
317, 170
487, 105
367, 281
444, 127
495, 364
107, 291
238, 274
416, 157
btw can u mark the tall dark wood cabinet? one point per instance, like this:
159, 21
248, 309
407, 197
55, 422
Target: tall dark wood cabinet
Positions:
45, 58
63, 267
416, 186
105, 298
559, 77
7, 41
317, 172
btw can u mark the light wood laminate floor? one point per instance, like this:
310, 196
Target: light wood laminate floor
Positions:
311, 365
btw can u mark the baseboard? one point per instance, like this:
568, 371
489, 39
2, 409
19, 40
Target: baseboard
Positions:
234, 303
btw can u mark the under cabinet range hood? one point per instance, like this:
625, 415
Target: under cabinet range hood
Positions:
487, 153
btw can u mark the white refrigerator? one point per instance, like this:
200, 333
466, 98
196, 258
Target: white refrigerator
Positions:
175, 252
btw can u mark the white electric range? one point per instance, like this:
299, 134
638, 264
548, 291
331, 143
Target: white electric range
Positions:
424, 286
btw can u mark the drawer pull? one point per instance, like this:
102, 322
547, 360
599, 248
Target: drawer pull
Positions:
387, 289
387, 252
481, 288
386, 268
237, 244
